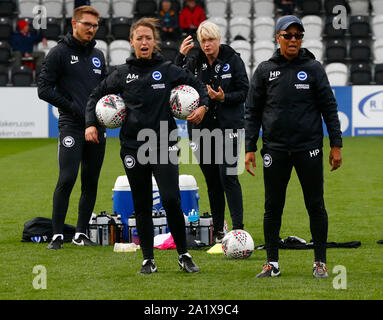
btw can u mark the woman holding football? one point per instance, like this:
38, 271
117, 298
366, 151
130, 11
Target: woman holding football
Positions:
145, 82
222, 70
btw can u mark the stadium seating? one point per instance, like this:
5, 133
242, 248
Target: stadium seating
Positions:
337, 74
330, 31
360, 50
378, 51
216, 8
103, 29
264, 8
103, 46
313, 26
315, 46
360, 27
241, 8
26, 8
378, 74
309, 7
5, 53
336, 51
247, 25
53, 30
377, 26
102, 6
55, 8
329, 5
119, 51
122, 8
264, 28
7, 7
359, 7
169, 49
68, 5
5, 28
244, 48
45, 49
145, 8
21, 76
240, 26
377, 6
263, 50
360, 74
4, 76
222, 24
120, 28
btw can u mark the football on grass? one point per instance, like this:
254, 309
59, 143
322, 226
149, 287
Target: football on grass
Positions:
237, 244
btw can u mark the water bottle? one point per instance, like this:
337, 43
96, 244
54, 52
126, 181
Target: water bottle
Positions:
133, 234
156, 224
206, 229
105, 235
119, 230
163, 224
93, 233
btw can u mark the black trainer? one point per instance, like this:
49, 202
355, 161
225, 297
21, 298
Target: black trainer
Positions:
55, 244
218, 236
269, 271
186, 263
148, 267
83, 240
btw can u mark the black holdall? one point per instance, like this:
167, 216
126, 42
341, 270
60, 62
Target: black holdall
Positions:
40, 229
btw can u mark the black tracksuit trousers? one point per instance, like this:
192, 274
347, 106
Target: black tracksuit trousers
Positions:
277, 167
221, 174
140, 180
73, 150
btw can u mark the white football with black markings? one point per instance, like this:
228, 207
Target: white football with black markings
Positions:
111, 111
184, 100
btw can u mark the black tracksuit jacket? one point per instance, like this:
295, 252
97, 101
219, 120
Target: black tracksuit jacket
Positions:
69, 74
289, 99
145, 86
229, 72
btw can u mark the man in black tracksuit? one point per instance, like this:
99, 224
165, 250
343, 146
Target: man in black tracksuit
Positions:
70, 72
289, 94
145, 83
223, 71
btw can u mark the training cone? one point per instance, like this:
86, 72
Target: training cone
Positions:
216, 249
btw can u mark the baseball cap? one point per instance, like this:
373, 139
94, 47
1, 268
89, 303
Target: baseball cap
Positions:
21, 24
286, 21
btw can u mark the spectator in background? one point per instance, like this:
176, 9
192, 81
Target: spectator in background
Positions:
22, 42
79, 3
287, 6
168, 20
191, 17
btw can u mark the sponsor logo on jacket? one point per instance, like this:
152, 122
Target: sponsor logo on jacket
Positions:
131, 77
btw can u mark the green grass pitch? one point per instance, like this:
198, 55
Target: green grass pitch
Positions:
354, 201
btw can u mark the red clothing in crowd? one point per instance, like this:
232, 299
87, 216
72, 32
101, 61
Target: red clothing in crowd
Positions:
189, 17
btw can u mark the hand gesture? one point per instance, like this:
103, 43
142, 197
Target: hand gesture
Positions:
215, 95
186, 45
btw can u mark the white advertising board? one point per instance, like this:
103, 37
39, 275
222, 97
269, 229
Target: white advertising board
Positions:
367, 110
22, 114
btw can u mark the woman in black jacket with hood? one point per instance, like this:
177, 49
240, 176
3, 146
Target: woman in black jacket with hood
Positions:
288, 97
145, 82
224, 74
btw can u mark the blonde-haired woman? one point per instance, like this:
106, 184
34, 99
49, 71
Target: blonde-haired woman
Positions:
223, 72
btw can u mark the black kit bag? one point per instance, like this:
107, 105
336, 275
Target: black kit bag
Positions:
40, 230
